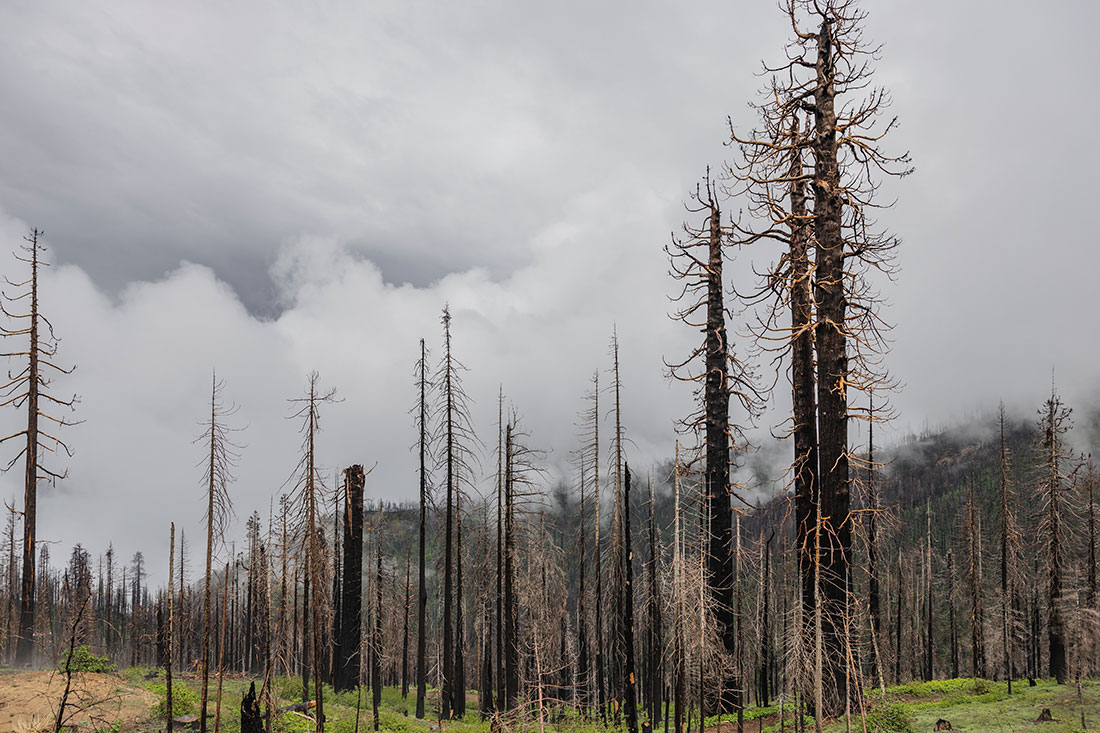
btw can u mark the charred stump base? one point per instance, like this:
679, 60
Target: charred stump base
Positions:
251, 722
1045, 716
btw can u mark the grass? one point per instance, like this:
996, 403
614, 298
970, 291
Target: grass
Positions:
970, 705
982, 705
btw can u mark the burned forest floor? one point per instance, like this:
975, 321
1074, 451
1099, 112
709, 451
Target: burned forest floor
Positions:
130, 700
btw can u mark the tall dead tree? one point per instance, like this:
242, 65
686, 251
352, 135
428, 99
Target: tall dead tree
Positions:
220, 454
30, 389
827, 61
307, 476
168, 634
456, 454
421, 420
1054, 422
1008, 541
696, 261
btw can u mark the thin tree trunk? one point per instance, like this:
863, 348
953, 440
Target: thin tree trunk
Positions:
422, 592
168, 655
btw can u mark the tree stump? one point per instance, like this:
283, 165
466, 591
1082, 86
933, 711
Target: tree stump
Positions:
251, 722
1045, 716
942, 724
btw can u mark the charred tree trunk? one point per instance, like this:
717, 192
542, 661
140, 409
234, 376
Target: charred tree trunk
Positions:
168, 635
511, 643
422, 590
716, 406
832, 372
803, 380
346, 664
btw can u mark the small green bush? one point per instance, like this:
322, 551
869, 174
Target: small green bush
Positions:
889, 718
184, 700
82, 660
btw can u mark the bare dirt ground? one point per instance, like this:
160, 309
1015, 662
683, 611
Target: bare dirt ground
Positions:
29, 701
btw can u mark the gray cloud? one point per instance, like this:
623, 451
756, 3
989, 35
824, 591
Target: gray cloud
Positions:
271, 188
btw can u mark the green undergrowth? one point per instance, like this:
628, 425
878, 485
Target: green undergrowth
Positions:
980, 705
969, 704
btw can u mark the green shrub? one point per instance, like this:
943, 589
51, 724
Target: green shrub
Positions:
82, 660
889, 718
184, 700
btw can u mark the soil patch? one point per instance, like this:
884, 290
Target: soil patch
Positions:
29, 700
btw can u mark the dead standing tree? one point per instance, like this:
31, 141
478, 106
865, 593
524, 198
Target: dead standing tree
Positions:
457, 456
307, 476
349, 618
696, 261
421, 420
221, 455
30, 388
827, 61
1054, 423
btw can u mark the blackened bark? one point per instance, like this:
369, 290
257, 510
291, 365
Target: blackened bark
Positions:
716, 405
346, 665
422, 592
832, 374
511, 643
803, 380
24, 653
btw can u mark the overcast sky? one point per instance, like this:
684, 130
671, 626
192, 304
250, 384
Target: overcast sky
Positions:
270, 188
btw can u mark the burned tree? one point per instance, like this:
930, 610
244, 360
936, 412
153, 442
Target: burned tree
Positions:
1009, 540
220, 458
421, 419
696, 261
346, 663
1054, 423
30, 388
456, 454
827, 61
308, 482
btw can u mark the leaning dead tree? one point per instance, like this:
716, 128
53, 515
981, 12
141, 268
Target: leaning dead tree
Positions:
813, 189
696, 262
308, 482
30, 389
221, 455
